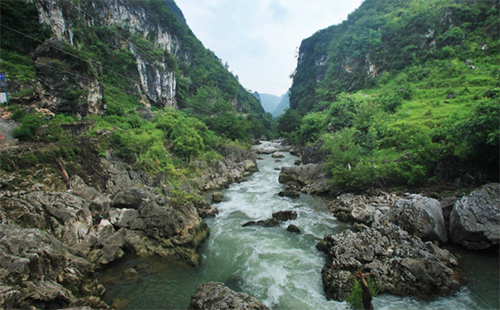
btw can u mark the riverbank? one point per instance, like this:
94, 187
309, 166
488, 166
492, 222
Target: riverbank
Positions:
79, 229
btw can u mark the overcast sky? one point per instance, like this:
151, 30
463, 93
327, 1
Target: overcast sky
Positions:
259, 38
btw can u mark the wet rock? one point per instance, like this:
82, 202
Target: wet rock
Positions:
290, 191
297, 162
285, 215
131, 274
277, 155
264, 223
421, 216
293, 228
475, 219
217, 197
402, 264
205, 213
215, 295
121, 303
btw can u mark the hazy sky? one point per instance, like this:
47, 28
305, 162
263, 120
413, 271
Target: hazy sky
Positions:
259, 38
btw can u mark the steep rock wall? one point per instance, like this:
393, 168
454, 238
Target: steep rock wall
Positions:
156, 81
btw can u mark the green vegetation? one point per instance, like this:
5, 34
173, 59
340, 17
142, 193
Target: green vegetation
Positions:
355, 297
214, 109
405, 87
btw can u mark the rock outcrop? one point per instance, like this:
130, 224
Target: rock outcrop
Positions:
420, 216
215, 295
475, 219
310, 178
401, 263
237, 163
37, 270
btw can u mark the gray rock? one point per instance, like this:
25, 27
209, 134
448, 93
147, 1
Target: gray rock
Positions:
420, 216
217, 197
123, 217
277, 155
215, 295
36, 270
130, 198
475, 219
308, 178
285, 215
264, 223
293, 228
402, 264
98, 201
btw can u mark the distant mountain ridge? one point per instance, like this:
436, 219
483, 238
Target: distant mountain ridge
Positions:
272, 103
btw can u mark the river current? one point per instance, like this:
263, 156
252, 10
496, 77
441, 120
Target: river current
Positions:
280, 268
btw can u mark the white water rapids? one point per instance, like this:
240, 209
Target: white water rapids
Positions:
280, 268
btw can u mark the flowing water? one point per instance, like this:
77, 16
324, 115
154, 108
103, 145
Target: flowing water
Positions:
278, 267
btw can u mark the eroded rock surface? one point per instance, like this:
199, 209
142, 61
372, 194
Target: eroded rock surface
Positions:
310, 178
421, 216
37, 270
402, 264
215, 295
475, 219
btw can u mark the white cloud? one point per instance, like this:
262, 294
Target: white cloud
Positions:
258, 38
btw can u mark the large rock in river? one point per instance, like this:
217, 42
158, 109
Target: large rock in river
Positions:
402, 264
475, 219
215, 295
420, 216
309, 178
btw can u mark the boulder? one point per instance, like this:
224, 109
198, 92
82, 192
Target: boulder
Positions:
293, 228
475, 219
420, 216
277, 155
401, 263
205, 213
365, 209
215, 295
217, 197
285, 215
308, 178
264, 223
290, 191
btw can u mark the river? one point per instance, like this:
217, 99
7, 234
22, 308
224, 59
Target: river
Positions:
280, 268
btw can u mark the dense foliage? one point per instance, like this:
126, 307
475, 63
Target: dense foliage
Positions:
399, 89
214, 109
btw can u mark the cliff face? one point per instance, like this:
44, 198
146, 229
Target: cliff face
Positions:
156, 81
388, 36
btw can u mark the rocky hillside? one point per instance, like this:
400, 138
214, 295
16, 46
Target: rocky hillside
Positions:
402, 93
106, 57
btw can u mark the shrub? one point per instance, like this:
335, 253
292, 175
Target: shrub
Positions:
355, 297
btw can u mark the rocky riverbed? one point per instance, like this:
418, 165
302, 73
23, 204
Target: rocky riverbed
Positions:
55, 233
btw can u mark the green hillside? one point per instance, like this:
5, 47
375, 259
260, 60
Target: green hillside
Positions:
404, 92
212, 108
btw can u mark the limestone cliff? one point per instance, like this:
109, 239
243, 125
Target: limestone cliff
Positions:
156, 81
